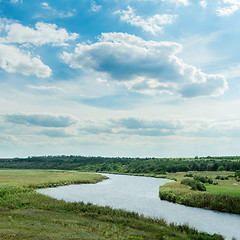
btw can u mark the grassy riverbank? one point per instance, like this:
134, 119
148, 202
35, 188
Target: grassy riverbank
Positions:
221, 195
26, 214
46, 178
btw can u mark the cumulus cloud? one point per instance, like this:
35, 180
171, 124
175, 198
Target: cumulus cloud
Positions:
147, 67
152, 24
230, 6
42, 120
44, 33
14, 60
95, 7
15, 37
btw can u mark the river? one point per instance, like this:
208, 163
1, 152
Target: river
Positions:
140, 194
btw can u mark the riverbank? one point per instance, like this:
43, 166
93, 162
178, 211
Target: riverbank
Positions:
223, 194
26, 214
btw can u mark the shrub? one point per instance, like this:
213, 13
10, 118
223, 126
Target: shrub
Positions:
221, 177
188, 175
195, 185
203, 179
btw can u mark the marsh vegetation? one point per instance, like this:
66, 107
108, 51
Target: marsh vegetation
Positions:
198, 189
26, 214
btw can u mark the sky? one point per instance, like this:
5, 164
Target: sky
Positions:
138, 78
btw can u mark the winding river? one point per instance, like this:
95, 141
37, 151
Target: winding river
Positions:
140, 194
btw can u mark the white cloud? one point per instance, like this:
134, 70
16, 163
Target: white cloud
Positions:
15, 1
152, 24
45, 88
232, 6
55, 13
95, 7
147, 67
164, 127
45, 5
203, 3
43, 33
14, 60
178, 2
42, 120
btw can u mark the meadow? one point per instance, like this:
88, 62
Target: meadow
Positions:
221, 195
46, 178
26, 214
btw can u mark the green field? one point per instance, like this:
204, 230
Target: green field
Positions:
225, 196
46, 178
224, 189
26, 214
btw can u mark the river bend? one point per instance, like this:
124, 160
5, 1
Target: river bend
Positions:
140, 194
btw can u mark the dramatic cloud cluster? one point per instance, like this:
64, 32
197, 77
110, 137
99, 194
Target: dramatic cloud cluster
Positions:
232, 6
152, 24
147, 67
42, 120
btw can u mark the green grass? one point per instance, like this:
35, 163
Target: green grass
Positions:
224, 189
46, 178
26, 214
224, 197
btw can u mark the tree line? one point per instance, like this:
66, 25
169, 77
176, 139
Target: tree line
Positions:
124, 164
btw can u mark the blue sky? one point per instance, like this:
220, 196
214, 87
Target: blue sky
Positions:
119, 78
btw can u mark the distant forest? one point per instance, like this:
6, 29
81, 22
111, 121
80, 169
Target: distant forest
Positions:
124, 164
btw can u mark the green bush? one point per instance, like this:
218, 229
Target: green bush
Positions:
222, 177
195, 185
203, 179
188, 175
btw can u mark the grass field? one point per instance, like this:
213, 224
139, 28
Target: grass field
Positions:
230, 186
224, 189
225, 196
46, 178
26, 214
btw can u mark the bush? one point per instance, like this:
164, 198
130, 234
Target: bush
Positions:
203, 179
195, 185
188, 175
237, 173
221, 177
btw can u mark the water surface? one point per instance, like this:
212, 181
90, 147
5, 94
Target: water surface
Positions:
140, 194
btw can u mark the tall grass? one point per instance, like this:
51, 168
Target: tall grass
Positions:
26, 214
215, 201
